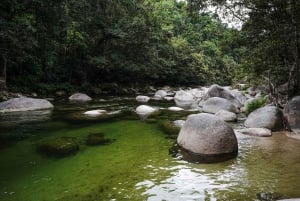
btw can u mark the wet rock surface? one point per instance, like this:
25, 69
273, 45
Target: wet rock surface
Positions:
207, 138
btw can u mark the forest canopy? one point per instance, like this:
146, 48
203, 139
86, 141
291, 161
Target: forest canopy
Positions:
52, 45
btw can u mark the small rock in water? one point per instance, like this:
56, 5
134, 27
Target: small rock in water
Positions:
266, 196
142, 99
95, 112
259, 132
97, 139
59, 147
175, 109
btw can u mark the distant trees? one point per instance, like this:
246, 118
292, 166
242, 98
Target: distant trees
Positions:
91, 42
271, 33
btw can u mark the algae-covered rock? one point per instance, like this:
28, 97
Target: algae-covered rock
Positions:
59, 147
97, 139
169, 128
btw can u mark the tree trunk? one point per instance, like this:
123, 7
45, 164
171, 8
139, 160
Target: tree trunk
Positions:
3, 75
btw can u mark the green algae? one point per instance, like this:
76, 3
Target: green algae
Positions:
96, 173
137, 166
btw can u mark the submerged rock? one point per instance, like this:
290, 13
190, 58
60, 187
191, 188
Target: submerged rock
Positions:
207, 138
97, 139
80, 97
24, 104
170, 129
59, 147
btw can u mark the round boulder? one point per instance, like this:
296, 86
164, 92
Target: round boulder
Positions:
217, 91
184, 99
265, 117
207, 138
142, 99
144, 111
292, 114
215, 104
80, 97
24, 104
226, 115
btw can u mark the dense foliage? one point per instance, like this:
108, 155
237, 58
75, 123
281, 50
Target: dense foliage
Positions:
54, 44
271, 34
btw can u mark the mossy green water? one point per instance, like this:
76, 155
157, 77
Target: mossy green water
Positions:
95, 173
136, 166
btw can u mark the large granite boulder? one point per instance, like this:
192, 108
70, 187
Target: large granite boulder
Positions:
80, 97
24, 104
215, 104
207, 138
292, 114
217, 91
266, 117
184, 99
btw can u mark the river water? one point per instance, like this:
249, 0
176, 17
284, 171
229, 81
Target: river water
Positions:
136, 166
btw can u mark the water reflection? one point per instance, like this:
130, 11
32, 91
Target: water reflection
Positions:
250, 174
14, 118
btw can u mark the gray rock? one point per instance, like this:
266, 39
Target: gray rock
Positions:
178, 123
175, 109
266, 117
161, 93
80, 97
207, 135
226, 115
144, 111
239, 96
217, 91
184, 99
142, 99
168, 98
259, 132
24, 104
95, 112
215, 104
292, 114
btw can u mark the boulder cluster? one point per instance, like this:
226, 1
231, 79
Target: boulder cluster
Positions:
206, 136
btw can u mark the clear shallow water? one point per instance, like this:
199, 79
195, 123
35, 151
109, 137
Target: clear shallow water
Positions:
136, 166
